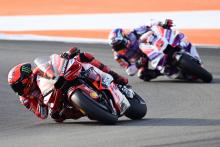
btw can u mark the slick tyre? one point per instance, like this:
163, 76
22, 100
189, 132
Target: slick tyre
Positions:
138, 108
190, 66
92, 108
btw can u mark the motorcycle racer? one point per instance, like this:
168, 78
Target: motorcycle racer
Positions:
23, 79
126, 51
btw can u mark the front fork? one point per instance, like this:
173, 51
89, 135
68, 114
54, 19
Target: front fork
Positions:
84, 88
118, 102
178, 55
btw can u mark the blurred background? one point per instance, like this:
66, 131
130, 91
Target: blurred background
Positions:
95, 18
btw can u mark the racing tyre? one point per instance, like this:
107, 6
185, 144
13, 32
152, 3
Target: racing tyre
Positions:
190, 66
138, 108
92, 108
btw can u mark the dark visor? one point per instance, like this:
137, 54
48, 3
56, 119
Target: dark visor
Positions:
18, 87
121, 45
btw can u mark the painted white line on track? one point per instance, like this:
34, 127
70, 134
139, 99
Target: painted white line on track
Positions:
50, 38
73, 40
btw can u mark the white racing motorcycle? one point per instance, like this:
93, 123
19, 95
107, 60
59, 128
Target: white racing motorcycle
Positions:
164, 52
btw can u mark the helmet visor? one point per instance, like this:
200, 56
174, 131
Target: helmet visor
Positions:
121, 45
18, 87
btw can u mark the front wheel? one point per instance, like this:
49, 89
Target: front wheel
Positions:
190, 66
92, 108
138, 108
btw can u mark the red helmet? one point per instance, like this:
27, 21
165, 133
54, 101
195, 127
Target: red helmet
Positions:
20, 78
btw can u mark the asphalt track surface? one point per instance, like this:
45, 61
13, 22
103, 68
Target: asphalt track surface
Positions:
179, 113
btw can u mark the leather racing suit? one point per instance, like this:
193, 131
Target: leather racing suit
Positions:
34, 100
134, 61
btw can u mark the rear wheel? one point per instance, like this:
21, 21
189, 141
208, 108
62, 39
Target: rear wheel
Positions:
92, 108
138, 108
190, 66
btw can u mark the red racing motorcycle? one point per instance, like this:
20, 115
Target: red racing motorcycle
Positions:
88, 89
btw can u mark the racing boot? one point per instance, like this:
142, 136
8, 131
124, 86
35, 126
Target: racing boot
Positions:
71, 113
148, 74
66, 113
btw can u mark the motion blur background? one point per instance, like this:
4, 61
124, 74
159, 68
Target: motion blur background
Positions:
94, 18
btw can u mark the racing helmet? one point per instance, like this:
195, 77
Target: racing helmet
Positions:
20, 78
117, 39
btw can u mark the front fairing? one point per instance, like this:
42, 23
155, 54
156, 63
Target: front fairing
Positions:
97, 77
159, 39
154, 55
49, 68
103, 81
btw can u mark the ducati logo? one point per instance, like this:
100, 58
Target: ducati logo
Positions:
93, 94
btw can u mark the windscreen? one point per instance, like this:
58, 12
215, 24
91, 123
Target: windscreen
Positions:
50, 65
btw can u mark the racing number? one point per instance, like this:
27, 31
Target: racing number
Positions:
159, 43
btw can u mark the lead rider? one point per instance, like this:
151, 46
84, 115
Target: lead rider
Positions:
23, 80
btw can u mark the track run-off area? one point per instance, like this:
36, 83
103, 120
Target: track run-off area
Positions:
199, 20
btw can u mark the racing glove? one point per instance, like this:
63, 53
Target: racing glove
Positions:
72, 52
142, 61
168, 24
132, 70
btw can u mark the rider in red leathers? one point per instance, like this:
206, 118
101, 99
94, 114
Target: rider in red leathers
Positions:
125, 46
23, 80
